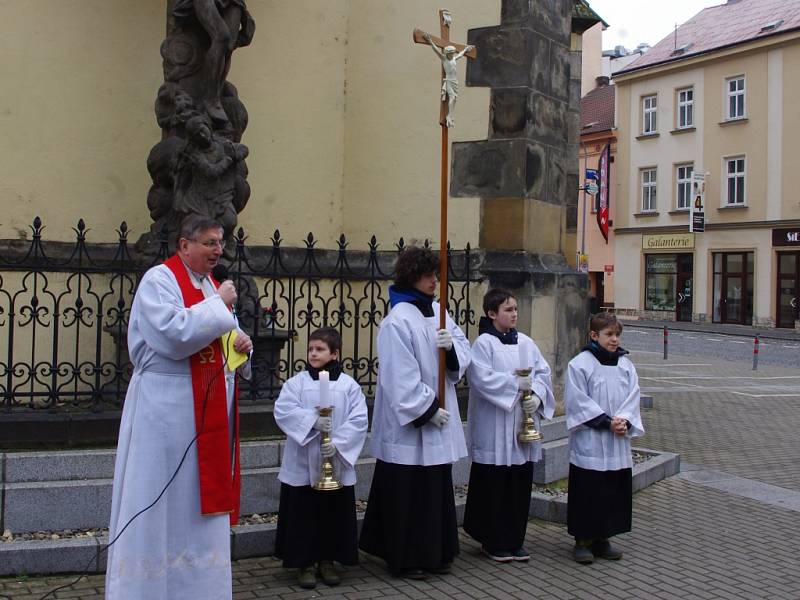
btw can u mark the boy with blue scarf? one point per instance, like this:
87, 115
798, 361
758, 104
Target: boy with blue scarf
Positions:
410, 520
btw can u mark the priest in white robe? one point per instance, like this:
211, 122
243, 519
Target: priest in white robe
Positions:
176, 484
410, 520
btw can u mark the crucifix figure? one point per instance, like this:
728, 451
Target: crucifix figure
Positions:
450, 52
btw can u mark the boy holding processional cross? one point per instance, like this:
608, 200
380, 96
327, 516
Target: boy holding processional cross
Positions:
318, 526
410, 520
501, 476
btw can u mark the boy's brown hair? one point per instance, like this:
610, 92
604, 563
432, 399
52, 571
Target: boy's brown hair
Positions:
494, 298
330, 336
604, 320
413, 263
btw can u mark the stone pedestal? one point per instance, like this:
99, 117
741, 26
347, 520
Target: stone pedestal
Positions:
526, 172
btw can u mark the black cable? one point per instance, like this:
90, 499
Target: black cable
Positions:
100, 551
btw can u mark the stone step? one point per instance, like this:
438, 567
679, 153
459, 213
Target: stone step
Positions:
77, 555
72, 489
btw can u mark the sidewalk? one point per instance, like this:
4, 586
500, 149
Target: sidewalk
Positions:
718, 328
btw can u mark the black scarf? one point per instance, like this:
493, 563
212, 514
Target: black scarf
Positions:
609, 359
510, 337
334, 368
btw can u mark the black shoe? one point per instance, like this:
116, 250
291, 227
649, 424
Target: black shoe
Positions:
604, 549
521, 555
417, 574
445, 569
582, 554
327, 572
502, 556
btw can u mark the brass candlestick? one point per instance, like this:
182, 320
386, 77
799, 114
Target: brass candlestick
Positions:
528, 432
327, 481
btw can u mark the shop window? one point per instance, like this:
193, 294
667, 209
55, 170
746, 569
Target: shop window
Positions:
661, 271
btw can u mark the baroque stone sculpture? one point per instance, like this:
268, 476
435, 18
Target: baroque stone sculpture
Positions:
199, 164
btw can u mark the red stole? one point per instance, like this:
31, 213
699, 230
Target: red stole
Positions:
219, 487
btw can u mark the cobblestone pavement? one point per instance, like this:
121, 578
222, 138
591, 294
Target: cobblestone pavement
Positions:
689, 540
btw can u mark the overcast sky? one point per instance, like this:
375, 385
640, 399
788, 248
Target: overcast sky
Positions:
632, 22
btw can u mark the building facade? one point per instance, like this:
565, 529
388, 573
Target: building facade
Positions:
722, 105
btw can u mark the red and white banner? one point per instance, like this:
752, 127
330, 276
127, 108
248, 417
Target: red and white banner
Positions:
604, 168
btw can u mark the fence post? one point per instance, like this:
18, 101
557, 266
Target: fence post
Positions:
755, 353
666, 340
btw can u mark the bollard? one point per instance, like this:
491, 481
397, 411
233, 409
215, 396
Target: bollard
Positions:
666, 338
755, 354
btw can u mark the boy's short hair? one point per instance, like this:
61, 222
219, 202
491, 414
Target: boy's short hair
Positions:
604, 320
413, 263
494, 298
330, 336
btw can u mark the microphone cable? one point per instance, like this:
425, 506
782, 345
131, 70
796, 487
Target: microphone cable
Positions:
86, 572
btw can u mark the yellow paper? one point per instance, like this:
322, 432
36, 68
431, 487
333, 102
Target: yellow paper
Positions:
234, 359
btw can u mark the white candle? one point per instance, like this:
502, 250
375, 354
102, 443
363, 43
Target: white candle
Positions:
522, 358
324, 384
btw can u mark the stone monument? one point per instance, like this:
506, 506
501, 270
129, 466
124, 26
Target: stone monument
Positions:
199, 164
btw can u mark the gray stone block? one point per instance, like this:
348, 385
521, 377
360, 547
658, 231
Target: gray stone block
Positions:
552, 17
504, 56
554, 464
49, 556
489, 169
554, 429
261, 454
560, 73
556, 177
508, 113
548, 508
66, 465
54, 506
248, 541
261, 491
548, 119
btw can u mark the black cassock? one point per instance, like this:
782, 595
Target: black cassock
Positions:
411, 517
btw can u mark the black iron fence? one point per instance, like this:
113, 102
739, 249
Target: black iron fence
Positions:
64, 310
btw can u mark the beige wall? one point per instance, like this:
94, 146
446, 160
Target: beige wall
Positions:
343, 131
591, 57
79, 80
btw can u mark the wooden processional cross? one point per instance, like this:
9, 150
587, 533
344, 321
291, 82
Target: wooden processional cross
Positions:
449, 91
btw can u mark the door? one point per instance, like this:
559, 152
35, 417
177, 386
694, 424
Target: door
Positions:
733, 287
788, 289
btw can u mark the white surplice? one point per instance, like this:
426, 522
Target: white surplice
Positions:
171, 551
407, 385
495, 414
594, 389
296, 413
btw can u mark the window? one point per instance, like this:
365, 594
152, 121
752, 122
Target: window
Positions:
735, 180
648, 190
735, 93
683, 177
686, 108
649, 109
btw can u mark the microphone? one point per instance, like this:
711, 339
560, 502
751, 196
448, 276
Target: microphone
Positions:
222, 273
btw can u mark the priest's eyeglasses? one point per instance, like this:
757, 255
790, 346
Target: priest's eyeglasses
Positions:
210, 243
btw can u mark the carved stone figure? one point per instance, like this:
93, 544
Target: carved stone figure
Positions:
199, 168
205, 176
449, 56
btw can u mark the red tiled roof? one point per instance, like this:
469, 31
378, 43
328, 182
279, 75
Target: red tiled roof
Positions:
597, 110
716, 27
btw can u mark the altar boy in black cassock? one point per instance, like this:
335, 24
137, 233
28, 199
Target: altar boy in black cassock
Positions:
315, 527
410, 520
602, 408
501, 476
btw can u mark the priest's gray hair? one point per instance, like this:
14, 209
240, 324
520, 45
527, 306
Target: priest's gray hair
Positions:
194, 225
